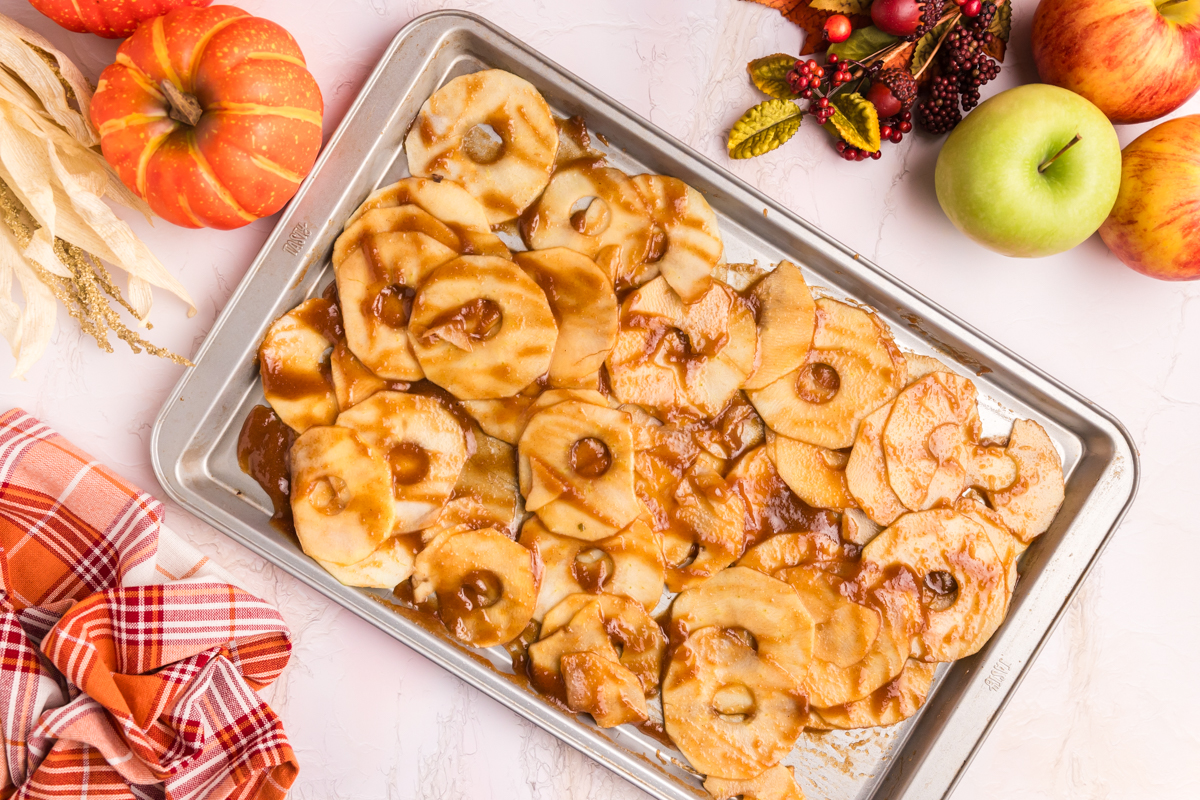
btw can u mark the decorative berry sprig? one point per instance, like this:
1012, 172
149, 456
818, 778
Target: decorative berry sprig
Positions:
865, 92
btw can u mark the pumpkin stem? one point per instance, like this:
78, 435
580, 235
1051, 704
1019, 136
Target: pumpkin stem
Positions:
184, 107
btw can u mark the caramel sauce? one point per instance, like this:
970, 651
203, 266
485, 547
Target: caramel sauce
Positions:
590, 457
592, 569
785, 512
263, 451
466, 325
409, 462
656, 731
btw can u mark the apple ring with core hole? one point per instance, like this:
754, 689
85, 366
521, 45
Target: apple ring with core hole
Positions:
420, 442
376, 225
376, 283
629, 563
785, 550
691, 245
485, 585
506, 417
1029, 505
894, 702
576, 470
963, 582
729, 710
682, 359
293, 361
866, 471
941, 398
489, 480
701, 519
607, 691
787, 317
340, 495
491, 132
583, 632
776, 783
857, 646
444, 199
852, 368
772, 508
964, 462
766, 612
481, 328
640, 641
389, 566
595, 210
584, 306
815, 474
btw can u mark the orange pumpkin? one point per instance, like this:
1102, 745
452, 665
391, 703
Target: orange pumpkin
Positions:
112, 19
210, 115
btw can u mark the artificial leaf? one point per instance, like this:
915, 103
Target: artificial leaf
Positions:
843, 6
864, 43
765, 127
1000, 29
769, 74
855, 120
811, 20
897, 56
928, 44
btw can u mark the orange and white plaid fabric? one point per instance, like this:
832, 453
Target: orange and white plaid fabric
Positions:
129, 662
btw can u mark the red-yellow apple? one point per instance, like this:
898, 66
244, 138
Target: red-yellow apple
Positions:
1155, 225
1135, 59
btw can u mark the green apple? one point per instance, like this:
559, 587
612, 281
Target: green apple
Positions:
1032, 172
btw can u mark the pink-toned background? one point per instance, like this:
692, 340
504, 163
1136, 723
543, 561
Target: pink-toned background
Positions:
1107, 711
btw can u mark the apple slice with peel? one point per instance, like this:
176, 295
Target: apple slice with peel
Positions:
815, 474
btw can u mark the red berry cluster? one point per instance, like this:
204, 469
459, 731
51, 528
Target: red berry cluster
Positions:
808, 78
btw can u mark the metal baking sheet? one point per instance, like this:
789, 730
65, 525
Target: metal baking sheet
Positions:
194, 441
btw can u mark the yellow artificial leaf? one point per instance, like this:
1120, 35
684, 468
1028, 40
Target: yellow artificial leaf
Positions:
855, 120
764, 128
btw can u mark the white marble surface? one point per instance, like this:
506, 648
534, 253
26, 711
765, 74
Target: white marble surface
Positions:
1107, 711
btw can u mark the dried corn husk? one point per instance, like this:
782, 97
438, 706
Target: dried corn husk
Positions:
56, 228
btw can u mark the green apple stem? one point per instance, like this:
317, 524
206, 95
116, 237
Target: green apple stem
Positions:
1046, 164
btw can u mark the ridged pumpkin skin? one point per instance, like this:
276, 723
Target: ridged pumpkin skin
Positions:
112, 19
255, 141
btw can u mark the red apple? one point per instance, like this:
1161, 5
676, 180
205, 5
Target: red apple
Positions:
1155, 225
1135, 59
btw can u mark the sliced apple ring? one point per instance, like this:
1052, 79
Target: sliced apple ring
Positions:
390, 565
629, 563
785, 550
701, 519
506, 167
484, 583
613, 229
585, 307
920, 365
691, 244
682, 358
506, 417
293, 361
890, 704
816, 475
852, 368
866, 471
1029, 504
353, 382
1007, 546
583, 632
489, 481
376, 231
772, 508
963, 582
938, 399
628, 626
787, 318
742, 599
421, 443
729, 710
776, 783
444, 199
576, 470
341, 495
607, 691
481, 328
857, 647
376, 283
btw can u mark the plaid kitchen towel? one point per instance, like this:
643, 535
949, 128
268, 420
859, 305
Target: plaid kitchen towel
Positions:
129, 661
